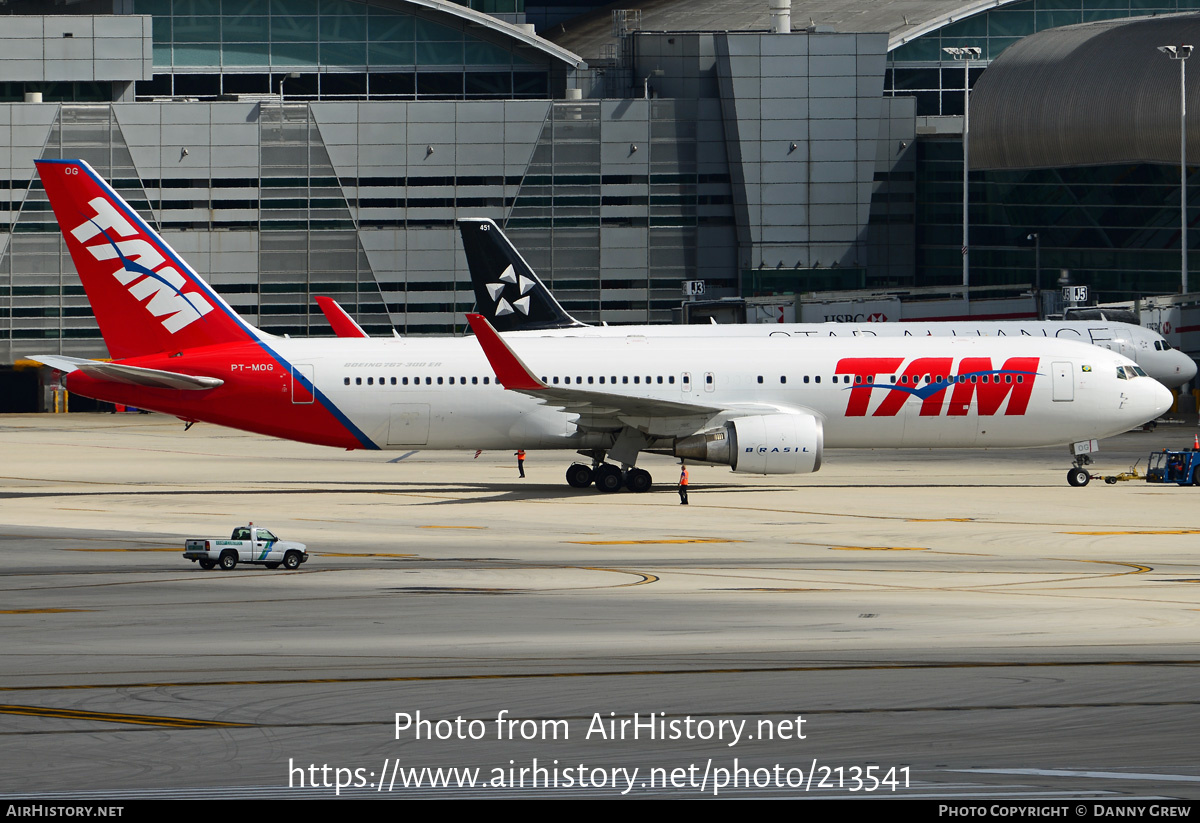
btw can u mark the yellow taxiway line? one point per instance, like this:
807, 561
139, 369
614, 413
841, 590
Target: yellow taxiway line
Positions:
115, 717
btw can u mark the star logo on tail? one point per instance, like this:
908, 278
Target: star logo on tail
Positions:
524, 286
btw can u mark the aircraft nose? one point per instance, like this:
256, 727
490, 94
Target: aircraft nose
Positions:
1160, 398
1185, 366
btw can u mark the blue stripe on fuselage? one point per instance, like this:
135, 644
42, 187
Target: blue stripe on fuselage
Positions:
930, 389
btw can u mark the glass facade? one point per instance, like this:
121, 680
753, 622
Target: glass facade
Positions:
271, 221
306, 241
45, 299
1113, 228
615, 202
920, 68
74, 92
568, 197
208, 48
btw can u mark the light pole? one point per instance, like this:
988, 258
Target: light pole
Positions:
291, 75
1037, 272
965, 54
1181, 54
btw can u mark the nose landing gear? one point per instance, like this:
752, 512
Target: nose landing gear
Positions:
1077, 475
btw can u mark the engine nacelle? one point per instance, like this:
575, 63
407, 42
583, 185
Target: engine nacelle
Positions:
761, 444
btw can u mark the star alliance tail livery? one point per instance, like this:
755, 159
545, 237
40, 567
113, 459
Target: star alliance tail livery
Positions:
512, 297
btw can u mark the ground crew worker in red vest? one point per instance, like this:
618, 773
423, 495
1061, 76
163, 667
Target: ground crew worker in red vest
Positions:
683, 484
521, 461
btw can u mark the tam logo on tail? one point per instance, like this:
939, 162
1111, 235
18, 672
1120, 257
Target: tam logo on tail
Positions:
143, 269
146, 298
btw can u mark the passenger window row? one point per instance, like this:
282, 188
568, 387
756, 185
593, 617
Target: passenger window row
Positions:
638, 379
905, 380
815, 378
416, 381
474, 381
611, 379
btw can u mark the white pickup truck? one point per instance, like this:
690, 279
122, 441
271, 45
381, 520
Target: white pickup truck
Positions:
247, 544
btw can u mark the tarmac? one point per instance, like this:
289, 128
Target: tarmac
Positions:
923, 624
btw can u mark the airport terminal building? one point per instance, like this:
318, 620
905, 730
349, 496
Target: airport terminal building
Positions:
291, 148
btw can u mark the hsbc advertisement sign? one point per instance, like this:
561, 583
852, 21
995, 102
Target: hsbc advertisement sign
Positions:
857, 311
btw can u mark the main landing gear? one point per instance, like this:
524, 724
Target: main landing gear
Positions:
608, 478
579, 476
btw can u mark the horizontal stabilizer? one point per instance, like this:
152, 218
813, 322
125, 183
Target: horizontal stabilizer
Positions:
343, 324
130, 375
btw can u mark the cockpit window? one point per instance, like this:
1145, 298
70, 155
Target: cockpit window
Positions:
1140, 371
1126, 372
1121, 373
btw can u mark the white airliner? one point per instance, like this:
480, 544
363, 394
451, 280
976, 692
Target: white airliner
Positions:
511, 295
769, 406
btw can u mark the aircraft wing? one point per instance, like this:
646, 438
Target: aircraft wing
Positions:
130, 375
597, 409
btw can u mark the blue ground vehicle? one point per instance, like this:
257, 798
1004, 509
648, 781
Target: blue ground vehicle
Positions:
1182, 467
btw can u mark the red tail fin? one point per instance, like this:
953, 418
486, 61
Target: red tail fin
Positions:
145, 297
343, 324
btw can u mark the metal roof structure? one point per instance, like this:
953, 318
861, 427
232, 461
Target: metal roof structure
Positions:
1085, 95
903, 20
486, 21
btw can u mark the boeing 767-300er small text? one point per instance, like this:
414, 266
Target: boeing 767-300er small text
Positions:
762, 405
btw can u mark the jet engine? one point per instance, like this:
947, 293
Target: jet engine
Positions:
760, 444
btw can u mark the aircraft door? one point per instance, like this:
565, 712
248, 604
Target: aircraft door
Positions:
710, 381
408, 424
1063, 379
303, 379
685, 382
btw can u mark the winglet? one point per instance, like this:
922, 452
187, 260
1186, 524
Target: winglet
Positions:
509, 368
343, 324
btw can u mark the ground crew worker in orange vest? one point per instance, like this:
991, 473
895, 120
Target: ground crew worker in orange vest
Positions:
683, 484
521, 461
